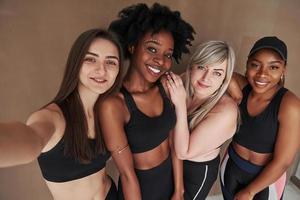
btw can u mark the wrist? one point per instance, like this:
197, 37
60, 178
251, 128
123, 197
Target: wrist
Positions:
181, 108
250, 193
179, 191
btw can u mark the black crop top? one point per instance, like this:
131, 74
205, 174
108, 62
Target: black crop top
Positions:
259, 133
56, 167
143, 132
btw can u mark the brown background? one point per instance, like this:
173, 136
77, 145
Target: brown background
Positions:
36, 36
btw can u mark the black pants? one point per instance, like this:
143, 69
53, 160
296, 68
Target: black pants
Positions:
237, 173
112, 193
156, 183
199, 178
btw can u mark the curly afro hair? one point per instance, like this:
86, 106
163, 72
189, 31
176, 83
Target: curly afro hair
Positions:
136, 20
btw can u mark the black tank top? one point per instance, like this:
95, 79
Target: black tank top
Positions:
143, 132
259, 133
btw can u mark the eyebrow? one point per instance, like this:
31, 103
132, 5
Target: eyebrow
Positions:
219, 70
93, 54
110, 57
156, 42
276, 61
153, 41
113, 57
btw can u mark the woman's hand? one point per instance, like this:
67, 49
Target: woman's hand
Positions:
243, 195
177, 196
176, 89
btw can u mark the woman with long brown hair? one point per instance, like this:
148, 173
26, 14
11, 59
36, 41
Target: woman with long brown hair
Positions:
64, 135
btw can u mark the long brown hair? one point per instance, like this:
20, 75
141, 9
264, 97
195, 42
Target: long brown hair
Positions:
75, 137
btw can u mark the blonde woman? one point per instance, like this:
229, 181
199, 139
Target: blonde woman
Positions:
206, 116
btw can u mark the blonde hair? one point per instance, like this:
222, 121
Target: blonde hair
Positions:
209, 53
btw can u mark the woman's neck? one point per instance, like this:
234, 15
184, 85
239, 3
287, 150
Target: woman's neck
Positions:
194, 102
88, 100
134, 81
266, 96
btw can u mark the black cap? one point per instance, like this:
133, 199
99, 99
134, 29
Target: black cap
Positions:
270, 42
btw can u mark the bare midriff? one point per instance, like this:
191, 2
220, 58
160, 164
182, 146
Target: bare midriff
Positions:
92, 187
252, 156
153, 157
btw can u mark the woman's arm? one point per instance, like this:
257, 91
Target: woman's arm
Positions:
286, 147
112, 120
237, 83
177, 171
212, 132
22, 143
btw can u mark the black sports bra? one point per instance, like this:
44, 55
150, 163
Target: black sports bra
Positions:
259, 133
56, 167
143, 132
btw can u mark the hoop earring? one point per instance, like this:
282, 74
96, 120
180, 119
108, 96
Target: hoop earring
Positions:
131, 49
282, 80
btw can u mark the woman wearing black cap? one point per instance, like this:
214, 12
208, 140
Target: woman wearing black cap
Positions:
269, 136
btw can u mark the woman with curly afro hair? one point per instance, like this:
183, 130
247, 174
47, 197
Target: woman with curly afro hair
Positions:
137, 122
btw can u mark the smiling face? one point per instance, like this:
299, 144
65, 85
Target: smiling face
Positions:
152, 55
264, 70
100, 67
206, 80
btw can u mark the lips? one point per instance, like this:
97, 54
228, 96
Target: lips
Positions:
261, 83
154, 70
203, 85
98, 80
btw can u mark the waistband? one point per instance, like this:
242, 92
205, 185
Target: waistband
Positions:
215, 161
242, 163
163, 166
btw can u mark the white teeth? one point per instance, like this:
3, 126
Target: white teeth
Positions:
260, 83
156, 71
99, 80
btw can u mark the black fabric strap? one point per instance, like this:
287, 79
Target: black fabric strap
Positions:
128, 99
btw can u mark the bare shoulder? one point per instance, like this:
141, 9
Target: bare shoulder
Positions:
226, 105
290, 105
51, 114
114, 106
115, 101
48, 123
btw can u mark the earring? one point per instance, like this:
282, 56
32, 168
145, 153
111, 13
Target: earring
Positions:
282, 79
131, 49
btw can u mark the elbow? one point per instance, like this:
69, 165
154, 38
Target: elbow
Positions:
287, 163
181, 155
283, 164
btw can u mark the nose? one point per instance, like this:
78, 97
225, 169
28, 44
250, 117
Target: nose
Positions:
263, 71
159, 59
206, 75
101, 69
